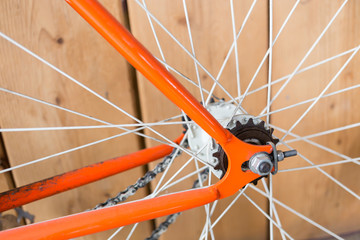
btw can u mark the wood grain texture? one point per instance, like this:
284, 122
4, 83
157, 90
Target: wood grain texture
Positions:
210, 23
55, 32
309, 191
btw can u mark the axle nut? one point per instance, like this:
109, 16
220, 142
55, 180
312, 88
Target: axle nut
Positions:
260, 163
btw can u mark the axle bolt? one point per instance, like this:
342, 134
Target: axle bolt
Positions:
260, 163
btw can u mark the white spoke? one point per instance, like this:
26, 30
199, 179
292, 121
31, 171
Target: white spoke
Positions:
298, 214
268, 96
300, 71
193, 52
229, 206
81, 85
78, 114
326, 174
324, 132
63, 152
230, 51
65, 75
267, 216
270, 68
169, 142
132, 231
155, 35
307, 54
115, 233
169, 165
183, 76
272, 207
235, 48
90, 127
320, 165
322, 93
314, 144
184, 178
92, 118
178, 171
88, 145
310, 100
185, 50
268, 52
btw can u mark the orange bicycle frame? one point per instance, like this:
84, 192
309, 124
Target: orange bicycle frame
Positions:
107, 218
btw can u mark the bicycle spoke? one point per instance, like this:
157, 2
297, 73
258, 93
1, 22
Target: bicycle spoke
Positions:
300, 71
272, 208
231, 49
268, 96
307, 54
320, 165
91, 144
267, 53
334, 130
90, 127
132, 231
184, 178
241, 192
193, 52
266, 215
235, 48
310, 100
120, 126
79, 83
115, 233
176, 173
207, 225
163, 60
168, 167
322, 93
185, 77
34, 55
337, 182
92, 118
64, 152
298, 214
184, 49
314, 144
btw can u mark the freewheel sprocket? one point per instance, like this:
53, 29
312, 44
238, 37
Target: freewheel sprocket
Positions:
248, 129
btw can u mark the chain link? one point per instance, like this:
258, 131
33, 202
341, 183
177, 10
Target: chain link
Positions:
146, 179
143, 181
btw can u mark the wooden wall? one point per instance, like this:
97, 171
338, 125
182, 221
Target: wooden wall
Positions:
55, 32
305, 26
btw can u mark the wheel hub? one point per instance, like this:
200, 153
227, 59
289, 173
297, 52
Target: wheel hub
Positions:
245, 127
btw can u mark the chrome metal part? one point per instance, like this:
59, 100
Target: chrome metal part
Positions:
261, 164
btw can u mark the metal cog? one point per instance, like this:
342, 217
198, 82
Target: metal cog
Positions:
249, 130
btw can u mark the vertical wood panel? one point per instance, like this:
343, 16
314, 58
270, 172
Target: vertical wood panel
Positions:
310, 192
54, 31
212, 34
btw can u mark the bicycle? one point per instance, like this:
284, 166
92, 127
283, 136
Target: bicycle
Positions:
234, 179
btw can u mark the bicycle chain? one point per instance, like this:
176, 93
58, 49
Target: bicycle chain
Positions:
146, 179
141, 182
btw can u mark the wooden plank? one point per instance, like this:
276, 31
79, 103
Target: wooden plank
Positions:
212, 34
310, 192
54, 31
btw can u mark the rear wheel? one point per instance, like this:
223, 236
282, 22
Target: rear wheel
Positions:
310, 103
